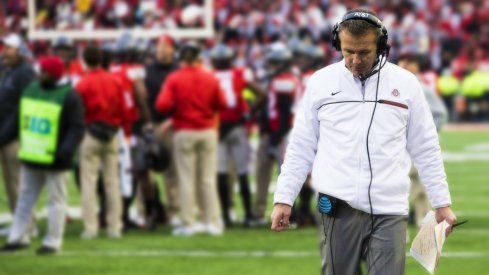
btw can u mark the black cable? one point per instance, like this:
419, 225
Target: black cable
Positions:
331, 244
330, 238
368, 155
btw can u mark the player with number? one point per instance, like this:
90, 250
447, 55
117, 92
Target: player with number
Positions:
233, 140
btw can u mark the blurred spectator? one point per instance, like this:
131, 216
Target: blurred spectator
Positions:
130, 72
475, 87
449, 86
15, 74
233, 139
283, 88
157, 73
112, 14
65, 49
193, 97
51, 128
418, 196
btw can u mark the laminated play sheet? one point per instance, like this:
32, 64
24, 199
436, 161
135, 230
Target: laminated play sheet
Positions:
428, 243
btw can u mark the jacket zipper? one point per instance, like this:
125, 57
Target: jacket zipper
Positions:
360, 159
363, 91
393, 103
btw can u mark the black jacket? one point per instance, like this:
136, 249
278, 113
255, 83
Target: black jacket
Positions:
156, 74
70, 133
13, 80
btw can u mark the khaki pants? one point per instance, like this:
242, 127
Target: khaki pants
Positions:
32, 182
10, 168
195, 154
96, 155
418, 197
170, 176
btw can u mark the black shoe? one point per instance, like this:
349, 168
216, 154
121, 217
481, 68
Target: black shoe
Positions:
130, 225
46, 250
247, 223
12, 247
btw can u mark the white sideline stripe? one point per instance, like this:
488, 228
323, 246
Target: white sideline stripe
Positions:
478, 147
223, 254
478, 214
462, 157
75, 212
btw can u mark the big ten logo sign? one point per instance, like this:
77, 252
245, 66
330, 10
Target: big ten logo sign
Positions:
37, 125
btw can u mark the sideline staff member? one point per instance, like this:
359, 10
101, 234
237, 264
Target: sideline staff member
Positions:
362, 120
193, 97
50, 126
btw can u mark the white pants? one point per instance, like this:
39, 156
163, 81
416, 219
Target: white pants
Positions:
234, 146
125, 166
31, 183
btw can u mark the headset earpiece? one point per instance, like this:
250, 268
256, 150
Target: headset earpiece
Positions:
335, 41
382, 46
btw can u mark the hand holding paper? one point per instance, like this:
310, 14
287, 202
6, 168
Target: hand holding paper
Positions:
427, 246
446, 214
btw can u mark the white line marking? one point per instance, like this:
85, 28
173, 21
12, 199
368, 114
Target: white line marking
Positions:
463, 157
221, 254
478, 147
468, 231
478, 214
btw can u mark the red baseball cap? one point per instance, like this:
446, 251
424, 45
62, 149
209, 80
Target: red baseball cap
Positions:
52, 65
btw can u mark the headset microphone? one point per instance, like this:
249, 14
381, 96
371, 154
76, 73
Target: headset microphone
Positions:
383, 60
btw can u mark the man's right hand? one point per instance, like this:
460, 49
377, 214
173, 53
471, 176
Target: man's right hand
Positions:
280, 217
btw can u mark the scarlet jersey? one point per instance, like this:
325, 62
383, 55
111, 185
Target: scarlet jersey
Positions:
233, 82
128, 74
76, 70
285, 84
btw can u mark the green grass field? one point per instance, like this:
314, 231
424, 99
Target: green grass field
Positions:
261, 251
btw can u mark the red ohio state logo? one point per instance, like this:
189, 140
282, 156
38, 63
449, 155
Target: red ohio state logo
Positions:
395, 93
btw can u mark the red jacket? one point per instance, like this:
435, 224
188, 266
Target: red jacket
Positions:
102, 97
193, 96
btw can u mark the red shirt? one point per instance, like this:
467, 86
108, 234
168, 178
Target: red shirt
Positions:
233, 83
102, 97
76, 71
193, 96
128, 74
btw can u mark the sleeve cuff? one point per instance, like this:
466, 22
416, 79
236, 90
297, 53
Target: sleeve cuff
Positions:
283, 200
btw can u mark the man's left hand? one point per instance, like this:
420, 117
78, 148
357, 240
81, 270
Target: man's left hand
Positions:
446, 213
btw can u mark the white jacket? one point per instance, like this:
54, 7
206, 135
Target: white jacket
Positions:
330, 136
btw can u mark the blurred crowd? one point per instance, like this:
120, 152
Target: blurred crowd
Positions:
452, 36
107, 14
190, 110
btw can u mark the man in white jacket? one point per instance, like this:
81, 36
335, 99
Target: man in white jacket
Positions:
361, 122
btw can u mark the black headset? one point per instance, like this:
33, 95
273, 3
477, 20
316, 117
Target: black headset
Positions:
382, 46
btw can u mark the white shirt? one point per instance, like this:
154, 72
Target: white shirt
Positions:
331, 133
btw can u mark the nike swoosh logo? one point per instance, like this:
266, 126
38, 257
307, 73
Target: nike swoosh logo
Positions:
333, 93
